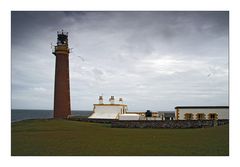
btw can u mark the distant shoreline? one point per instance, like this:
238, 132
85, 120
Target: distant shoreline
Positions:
26, 114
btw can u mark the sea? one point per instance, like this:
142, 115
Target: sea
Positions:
24, 114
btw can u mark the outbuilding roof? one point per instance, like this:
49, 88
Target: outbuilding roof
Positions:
201, 107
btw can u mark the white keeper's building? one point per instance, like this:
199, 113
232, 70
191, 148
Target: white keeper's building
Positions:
108, 111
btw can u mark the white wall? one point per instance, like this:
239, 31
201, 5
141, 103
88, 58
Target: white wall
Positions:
106, 112
129, 117
223, 113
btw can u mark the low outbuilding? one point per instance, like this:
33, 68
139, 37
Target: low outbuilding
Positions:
201, 112
130, 117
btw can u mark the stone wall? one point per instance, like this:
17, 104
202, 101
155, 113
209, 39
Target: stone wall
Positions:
106, 121
156, 124
168, 124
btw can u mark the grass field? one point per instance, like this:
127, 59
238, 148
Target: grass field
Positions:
62, 137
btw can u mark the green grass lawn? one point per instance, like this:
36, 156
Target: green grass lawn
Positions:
63, 137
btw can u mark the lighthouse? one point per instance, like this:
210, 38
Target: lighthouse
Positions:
62, 106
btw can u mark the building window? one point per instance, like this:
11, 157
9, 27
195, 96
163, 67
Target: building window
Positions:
200, 116
188, 116
212, 116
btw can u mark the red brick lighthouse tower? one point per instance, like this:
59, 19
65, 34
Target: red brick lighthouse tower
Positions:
62, 106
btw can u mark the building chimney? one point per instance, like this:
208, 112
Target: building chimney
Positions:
111, 100
121, 100
100, 100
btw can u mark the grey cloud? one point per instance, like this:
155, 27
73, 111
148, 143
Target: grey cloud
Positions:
155, 60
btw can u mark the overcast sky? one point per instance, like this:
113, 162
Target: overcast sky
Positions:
153, 60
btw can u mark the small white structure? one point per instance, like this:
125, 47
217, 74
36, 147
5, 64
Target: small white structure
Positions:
201, 112
129, 117
108, 111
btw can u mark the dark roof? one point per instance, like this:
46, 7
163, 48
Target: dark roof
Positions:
201, 107
167, 113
